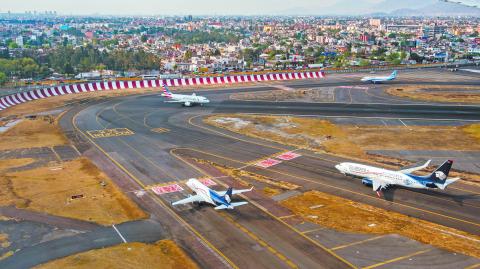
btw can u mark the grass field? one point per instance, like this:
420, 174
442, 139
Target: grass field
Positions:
346, 215
50, 190
164, 254
438, 93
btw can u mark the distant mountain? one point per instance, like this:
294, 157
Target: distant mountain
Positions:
387, 7
392, 5
439, 9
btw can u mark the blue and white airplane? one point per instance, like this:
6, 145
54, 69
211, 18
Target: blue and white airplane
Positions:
375, 80
380, 178
221, 200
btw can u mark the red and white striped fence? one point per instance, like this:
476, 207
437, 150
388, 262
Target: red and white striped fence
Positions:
23, 97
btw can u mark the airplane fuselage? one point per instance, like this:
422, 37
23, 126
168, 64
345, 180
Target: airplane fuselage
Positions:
187, 100
366, 172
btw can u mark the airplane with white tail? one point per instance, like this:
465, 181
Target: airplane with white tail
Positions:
187, 100
221, 200
380, 178
375, 80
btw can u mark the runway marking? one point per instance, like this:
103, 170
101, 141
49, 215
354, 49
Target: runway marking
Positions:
398, 259
160, 130
270, 214
335, 187
473, 266
110, 132
207, 182
286, 217
403, 122
268, 163
313, 230
119, 234
166, 189
201, 238
288, 156
260, 241
357, 242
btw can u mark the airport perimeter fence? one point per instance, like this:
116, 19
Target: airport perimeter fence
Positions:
5, 92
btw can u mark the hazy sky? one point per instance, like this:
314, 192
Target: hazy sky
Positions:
172, 7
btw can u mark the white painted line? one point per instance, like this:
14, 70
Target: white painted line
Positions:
403, 123
119, 234
384, 123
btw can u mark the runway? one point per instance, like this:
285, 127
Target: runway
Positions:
153, 158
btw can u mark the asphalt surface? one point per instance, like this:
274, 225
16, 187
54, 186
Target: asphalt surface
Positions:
253, 235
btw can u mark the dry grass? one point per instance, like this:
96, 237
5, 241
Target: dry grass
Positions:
439, 93
41, 132
4, 241
164, 254
411, 138
13, 163
311, 133
345, 215
270, 192
46, 190
474, 131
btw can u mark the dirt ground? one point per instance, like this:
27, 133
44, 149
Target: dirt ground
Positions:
50, 190
438, 93
164, 254
346, 215
39, 132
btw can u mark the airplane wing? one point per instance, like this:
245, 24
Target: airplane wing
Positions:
413, 169
221, 193
191, 199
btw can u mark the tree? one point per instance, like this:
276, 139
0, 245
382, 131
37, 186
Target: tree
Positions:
3, 78
144, 38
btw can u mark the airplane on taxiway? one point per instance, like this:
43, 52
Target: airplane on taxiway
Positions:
187, 100
380, 178
221, 200
375, 80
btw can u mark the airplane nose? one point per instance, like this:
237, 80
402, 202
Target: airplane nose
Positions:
339, 167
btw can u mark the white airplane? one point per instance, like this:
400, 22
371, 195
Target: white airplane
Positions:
380, 178
187, 100
221, 200
380, 79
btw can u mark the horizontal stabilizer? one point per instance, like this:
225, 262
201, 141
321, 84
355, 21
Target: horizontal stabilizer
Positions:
413, 169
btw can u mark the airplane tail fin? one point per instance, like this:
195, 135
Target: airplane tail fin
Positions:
166, 92
440, 175
394, 74
228, 194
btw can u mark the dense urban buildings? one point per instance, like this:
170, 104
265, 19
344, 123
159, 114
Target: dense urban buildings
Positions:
39, 45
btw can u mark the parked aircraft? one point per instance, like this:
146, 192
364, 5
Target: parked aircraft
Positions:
221, 200
375, 80
380, 178
187, 100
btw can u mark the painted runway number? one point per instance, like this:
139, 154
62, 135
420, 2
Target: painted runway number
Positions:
110, 132
167, 189
267, 163
288, 156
